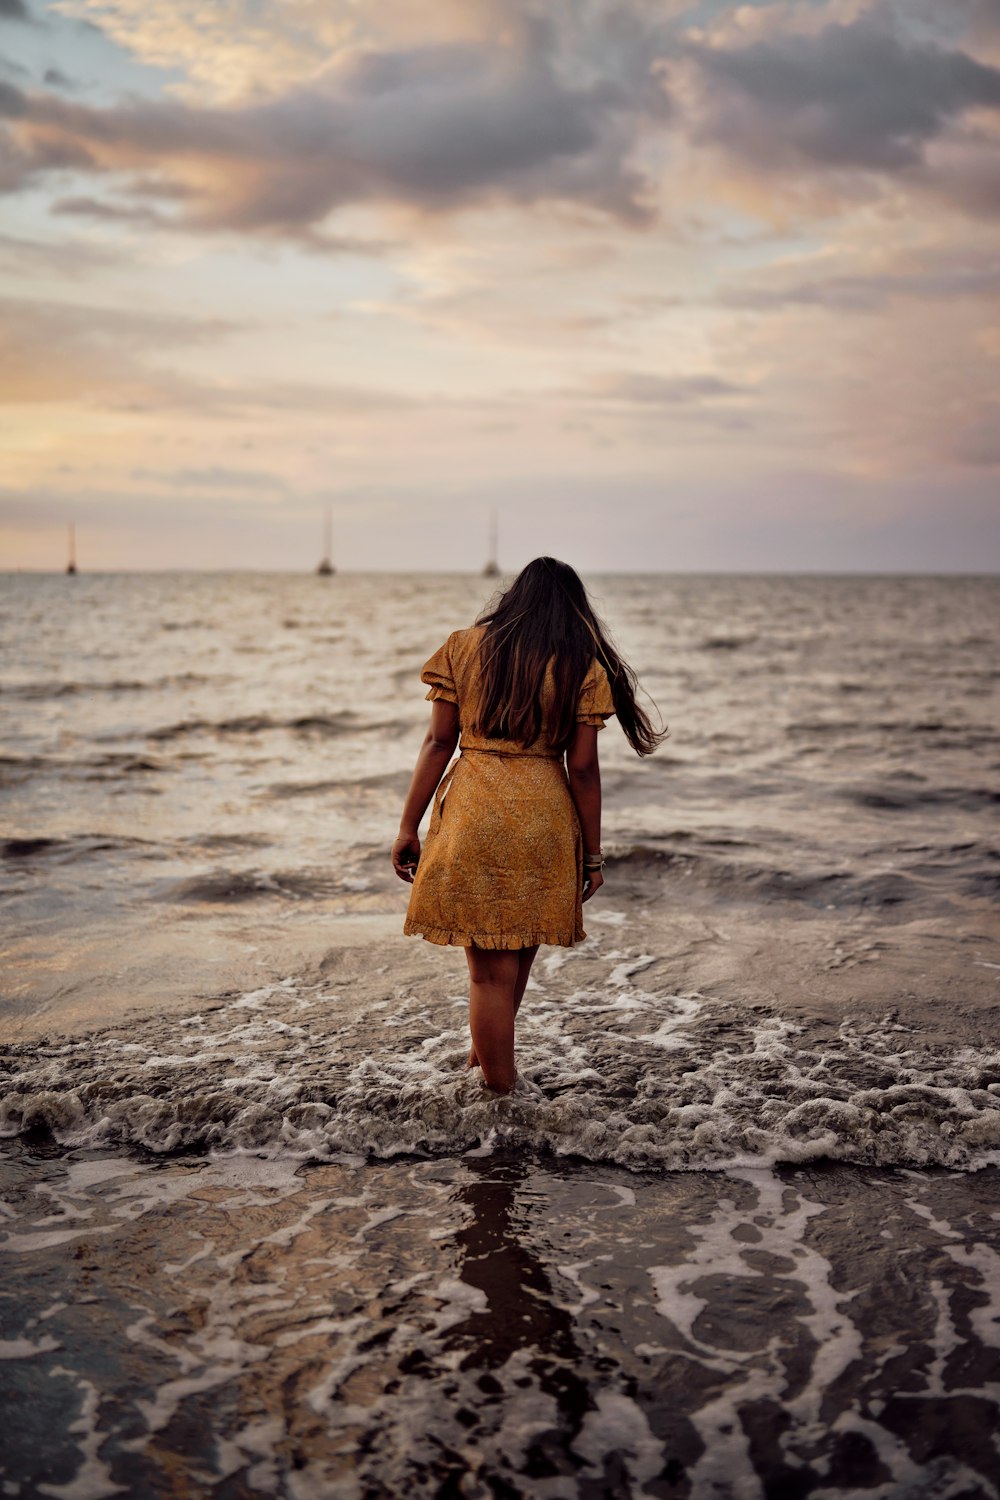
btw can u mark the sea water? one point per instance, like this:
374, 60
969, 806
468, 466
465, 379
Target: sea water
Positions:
736, 1232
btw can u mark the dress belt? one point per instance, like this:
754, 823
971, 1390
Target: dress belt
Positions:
518, 754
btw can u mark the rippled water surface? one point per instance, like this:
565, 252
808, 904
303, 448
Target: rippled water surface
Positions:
176, 747
737, 1233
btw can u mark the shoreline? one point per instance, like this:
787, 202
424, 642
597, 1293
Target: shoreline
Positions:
803, 963
652, 1059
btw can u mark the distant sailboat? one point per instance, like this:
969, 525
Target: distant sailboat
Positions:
71, 565
492, 568
326, 568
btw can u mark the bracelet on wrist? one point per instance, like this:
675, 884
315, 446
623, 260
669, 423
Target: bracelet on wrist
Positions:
594, 861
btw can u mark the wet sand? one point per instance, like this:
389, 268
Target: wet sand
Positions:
937, 966
500, 1325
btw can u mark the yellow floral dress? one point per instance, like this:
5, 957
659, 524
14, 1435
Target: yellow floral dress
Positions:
502, 863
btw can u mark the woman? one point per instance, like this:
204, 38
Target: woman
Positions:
514, 844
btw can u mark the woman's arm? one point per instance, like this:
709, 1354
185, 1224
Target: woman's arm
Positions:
435, 753
584, 771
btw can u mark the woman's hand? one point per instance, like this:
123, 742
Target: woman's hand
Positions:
405, 854
592, 881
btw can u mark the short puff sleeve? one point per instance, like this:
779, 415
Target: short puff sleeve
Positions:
596, 702
437, 673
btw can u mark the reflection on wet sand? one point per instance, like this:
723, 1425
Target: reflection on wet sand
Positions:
521, 1312
519, 1309
497, 1325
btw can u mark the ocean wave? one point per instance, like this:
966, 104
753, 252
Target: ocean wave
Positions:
213, 841
913, 798
745, 878
106, 765
66, 850
644, 1079
32, 691
387, 781
317, 724
228, 887
16, 769
726, 642
111, 764
944, 734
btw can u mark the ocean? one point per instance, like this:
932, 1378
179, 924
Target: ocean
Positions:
737, 1231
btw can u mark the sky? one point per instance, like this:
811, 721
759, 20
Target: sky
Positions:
665, 285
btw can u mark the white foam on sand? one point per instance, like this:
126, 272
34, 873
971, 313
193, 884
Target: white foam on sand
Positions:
609, 1070
617, 1425
984, 1264
759, 1373
25, 1348
92, 1480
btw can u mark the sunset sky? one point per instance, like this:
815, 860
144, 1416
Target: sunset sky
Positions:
670, 285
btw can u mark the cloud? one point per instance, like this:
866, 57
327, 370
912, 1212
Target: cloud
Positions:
521, 105
13, 102
61, 351
967, 177
229, 51
14, 10
144, 215
636, 388
978, 444
238, 51
86, 207
213, 477
54, 352
983, 21
434, 128
859, 98
953, 275
69, 259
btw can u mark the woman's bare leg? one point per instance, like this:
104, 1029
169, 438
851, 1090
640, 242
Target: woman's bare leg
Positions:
525, 958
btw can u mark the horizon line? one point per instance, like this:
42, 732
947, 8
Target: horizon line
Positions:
510, 573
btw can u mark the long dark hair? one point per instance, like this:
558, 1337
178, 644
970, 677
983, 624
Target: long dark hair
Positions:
545, 615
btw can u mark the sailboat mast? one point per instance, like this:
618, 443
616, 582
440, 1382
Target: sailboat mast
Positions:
492, 567
326, 564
